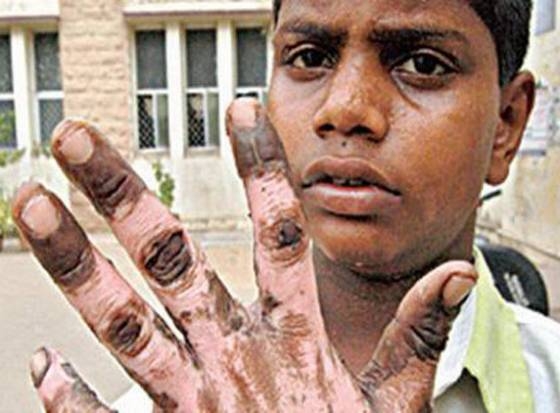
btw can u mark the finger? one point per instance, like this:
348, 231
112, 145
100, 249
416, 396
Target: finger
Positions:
283, 258
120, 319
174, 267
60, 388
405, 360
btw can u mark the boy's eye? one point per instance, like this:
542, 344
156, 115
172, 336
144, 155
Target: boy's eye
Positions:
309, 58
424, 64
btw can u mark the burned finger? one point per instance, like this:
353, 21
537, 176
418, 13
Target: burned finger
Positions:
409, 349
57, 240
60, 387
96, 168
155, 239
116, 314
256, 146
283, 259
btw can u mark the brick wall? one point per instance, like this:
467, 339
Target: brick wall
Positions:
95, 64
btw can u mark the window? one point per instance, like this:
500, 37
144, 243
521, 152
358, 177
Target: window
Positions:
48, 82
151, 87
202, 89
546, 16
251, 63
7, 115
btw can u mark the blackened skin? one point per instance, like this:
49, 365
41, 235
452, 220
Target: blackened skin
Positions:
257, 148
167, 258
66, 254
106, 178
290, 234
124, 332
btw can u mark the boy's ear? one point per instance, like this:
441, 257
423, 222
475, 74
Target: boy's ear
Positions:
517, 100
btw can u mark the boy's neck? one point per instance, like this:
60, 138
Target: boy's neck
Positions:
357, 308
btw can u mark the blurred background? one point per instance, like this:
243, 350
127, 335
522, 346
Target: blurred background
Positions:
156, 76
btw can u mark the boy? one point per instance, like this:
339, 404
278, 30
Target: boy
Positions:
391, 114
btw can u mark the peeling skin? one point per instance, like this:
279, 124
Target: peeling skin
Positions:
106, 178
167, 258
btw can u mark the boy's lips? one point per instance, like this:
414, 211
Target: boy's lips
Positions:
349, 186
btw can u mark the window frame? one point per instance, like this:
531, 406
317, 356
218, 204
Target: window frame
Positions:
154, 93
208, 147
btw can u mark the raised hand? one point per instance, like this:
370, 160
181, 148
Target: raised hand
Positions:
274, 356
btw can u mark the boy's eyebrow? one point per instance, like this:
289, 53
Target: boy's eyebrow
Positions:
415, 35
313, 31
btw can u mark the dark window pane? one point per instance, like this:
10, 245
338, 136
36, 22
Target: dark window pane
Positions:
546, 16
150, 57
195, 112
47, 63
251, 57
50, 114
146, 130
7, 125
201, 58
6, 85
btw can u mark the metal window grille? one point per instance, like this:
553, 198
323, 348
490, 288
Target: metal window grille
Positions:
152, 103
49, 97
202, 92
251, 63
8, 137
153, 129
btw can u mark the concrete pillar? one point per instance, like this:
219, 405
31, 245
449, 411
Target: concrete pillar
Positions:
176, 89
20, 43
226, 71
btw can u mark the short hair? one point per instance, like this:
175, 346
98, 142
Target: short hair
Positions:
508, 22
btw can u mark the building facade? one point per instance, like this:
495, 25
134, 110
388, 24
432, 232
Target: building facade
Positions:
155, 76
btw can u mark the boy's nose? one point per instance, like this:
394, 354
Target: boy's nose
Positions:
355, 104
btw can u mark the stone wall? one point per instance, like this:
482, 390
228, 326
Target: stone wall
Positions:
95, 62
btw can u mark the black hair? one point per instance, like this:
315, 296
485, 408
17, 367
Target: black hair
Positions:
508, 22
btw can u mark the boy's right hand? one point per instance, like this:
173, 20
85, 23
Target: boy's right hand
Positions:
274, 356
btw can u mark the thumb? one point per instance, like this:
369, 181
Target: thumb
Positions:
59, 386
405, 361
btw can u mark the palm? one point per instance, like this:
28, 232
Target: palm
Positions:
273, 357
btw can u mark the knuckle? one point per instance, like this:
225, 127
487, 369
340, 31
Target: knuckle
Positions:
428, 337
127, 330
75, 270
167, 257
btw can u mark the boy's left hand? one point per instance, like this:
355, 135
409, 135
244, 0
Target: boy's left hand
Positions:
274, 356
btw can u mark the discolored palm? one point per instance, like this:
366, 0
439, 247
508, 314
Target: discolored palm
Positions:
274, 356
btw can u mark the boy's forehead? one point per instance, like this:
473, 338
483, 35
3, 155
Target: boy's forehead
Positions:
375, 10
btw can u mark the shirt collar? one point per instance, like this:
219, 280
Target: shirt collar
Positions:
485, 340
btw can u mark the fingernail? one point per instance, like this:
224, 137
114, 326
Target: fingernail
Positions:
75, 142
243, 113
41, 216
40, 363
457, 289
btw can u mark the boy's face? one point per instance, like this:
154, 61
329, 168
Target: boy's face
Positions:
388, 111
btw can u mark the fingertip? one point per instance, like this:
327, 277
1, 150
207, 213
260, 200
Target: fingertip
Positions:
243, 113
457, 288
23, 194
72, 142
39, 365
